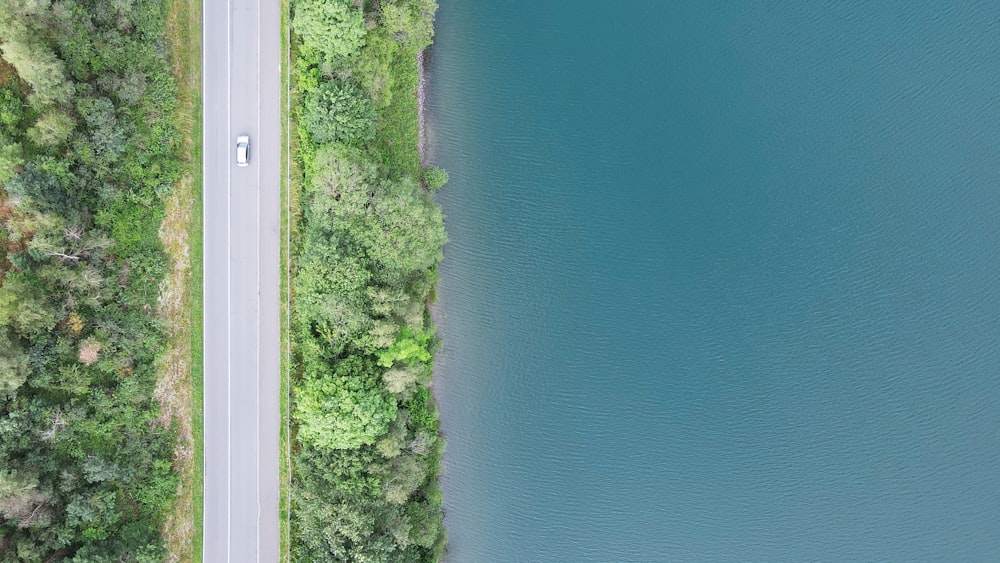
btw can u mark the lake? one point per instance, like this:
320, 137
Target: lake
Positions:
722, 280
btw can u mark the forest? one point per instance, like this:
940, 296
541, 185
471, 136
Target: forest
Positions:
88, 152
366, 444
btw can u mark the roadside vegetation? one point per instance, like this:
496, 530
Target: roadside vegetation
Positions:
365, 436
89, 153
180, 377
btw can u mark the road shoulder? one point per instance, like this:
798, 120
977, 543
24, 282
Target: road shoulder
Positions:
179, 384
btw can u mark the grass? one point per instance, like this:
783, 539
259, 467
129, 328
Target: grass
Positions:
291, 192
197, 364
292, 180
179, 386
290, 187
397, 140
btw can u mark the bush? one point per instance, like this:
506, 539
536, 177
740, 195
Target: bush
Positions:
434, 178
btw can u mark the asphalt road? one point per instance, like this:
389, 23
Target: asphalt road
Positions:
241, 95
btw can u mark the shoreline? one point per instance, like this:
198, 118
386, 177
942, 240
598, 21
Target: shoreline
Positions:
421, 109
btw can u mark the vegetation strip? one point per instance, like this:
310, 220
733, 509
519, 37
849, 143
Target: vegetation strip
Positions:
181, 295
366, 444
89, 154
289, 193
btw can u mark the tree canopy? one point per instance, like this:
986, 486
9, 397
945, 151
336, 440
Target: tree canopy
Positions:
344, 409
330, 29
397, 224
339, 112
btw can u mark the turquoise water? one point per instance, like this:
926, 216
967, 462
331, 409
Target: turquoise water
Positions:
723, 280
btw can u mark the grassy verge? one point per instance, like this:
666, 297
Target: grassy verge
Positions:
181, 304
197, 375
289, 200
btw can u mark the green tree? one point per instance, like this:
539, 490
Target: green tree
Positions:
341, 186
14, 368
339, 112
425, 518
11, 111
128, 89
330, 29
410, 22
51, 129
373, 68
409, 348
47, 183
336, 414
344, 408
329, 530
53, 238
108, 135
20, 497
330, 293
395, 439
11, 159
405, 475
403, 231
24, 306
398, 225
402, 380
35, 62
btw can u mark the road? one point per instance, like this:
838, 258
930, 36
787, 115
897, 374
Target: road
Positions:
241, 95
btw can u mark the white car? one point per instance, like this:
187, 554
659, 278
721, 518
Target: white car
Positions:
242, 150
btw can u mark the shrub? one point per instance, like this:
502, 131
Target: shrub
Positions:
434, 178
